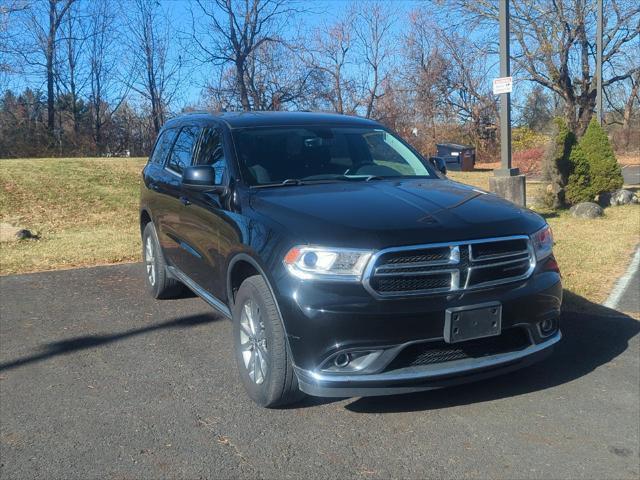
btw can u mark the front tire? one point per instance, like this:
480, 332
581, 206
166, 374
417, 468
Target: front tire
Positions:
159, 283
260, 345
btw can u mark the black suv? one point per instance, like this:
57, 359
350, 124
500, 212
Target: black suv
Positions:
347, 263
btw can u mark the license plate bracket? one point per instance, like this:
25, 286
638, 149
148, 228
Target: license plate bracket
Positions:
473, 321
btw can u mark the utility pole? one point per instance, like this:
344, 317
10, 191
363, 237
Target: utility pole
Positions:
599, 112
505, 98
506, 181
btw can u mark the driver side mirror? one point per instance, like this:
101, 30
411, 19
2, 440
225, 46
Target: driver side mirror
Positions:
439, 164
202, 178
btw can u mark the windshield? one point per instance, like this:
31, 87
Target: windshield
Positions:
295, 155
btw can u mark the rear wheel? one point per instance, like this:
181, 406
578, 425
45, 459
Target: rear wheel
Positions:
260, 345
158, 280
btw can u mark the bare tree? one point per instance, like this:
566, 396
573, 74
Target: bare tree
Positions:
275, 78
8, 11
374, 22
330, 54
107, 93
465, 82
423, 68
235, 32
622, 104
70, 76
632, 99
555, 45
41, 22
450, 76
156, 72
57, 9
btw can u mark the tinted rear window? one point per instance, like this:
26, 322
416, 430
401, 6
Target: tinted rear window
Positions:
163, 144
182, 150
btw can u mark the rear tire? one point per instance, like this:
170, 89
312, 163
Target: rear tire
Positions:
159, 283
263, 360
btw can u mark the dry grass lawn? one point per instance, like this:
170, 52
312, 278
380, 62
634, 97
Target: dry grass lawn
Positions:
85, 212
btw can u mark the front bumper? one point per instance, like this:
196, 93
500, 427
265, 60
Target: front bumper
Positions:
428, 377
323, 319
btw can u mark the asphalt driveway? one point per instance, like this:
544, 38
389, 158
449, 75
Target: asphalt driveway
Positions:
631, 174
99, 380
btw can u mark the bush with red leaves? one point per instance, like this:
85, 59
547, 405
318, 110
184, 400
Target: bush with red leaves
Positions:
528, 161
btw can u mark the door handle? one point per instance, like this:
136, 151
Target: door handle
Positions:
184, 200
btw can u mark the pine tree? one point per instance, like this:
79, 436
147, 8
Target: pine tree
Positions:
594, 168
579, 188
605, 172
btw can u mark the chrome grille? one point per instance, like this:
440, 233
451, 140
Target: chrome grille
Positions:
455, 266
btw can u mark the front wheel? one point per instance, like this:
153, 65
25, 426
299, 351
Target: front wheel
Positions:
260, 345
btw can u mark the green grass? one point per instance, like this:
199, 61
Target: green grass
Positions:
86, 213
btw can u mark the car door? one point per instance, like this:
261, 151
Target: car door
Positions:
171, 234
205, 221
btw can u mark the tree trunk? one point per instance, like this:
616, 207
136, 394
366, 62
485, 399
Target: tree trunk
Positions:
97, 117
628, 110
50, 51
372, 92
242, 87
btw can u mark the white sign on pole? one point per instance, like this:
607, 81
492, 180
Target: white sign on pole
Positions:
502, 85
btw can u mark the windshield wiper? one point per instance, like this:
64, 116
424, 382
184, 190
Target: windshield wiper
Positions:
342, 178
284, 183
336, 178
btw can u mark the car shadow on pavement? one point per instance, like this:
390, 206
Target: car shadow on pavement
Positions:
89, 341
593, 335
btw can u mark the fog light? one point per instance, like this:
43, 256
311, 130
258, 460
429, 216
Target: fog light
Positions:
547, 326
342, 360
352, 361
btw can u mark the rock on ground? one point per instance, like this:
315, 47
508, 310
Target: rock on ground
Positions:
623, 197
587, 210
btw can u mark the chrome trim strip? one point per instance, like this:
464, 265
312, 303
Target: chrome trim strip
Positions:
412, 274
201, 292
494, 256
497, 264
172, 172
455, 286
432, 371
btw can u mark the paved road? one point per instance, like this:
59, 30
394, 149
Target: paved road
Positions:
98, 380
630, 300
631, 174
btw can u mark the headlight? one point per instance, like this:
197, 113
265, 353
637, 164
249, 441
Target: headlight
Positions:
542, 242
322, 263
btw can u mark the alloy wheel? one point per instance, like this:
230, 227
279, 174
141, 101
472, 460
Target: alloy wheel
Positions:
253, 342
150, 261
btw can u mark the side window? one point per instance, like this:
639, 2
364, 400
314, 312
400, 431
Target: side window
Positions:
212, 152
182, 150
163, 144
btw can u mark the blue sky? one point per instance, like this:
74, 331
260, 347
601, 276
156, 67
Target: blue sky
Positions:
179, 12
319, 11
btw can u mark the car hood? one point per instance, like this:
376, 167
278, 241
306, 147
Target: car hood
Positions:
384, 213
